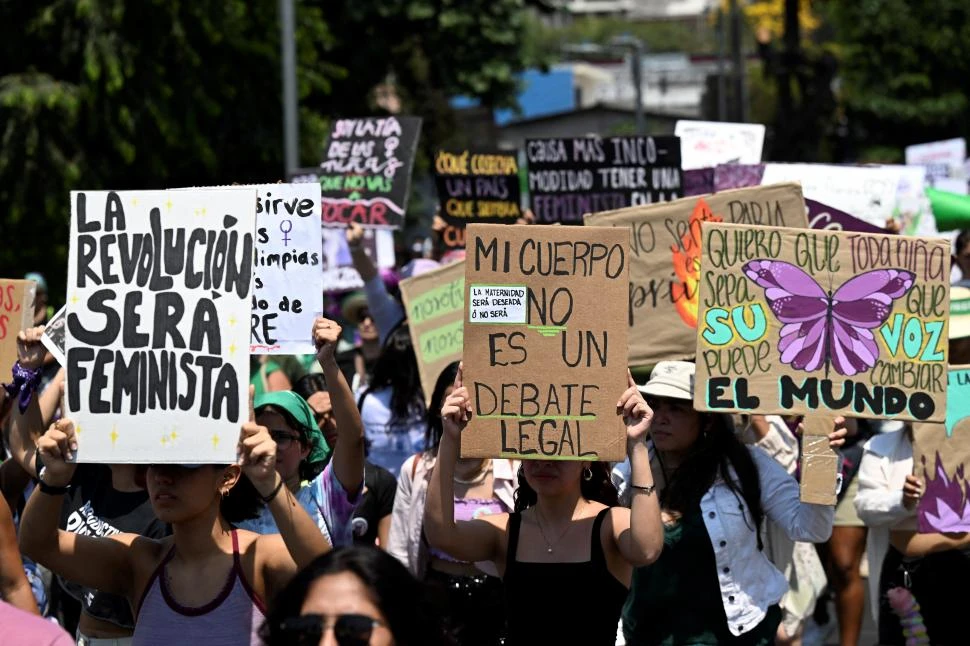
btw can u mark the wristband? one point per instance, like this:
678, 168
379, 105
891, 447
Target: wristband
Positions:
268, 499
649, 489
25, 382
51, 490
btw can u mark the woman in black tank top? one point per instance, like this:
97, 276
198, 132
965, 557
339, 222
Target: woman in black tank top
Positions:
566, 553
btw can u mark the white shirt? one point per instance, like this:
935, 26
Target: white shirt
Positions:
887, 460
391, 442
749, 582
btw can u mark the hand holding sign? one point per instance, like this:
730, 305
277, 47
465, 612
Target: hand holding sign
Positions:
30, 350
637, 414
257, 452
326, 334
912, 492
836, 438
457, 409
57, 448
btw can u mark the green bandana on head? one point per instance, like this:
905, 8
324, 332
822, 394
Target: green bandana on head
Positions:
300, 411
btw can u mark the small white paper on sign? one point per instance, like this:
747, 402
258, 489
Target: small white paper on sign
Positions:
288, 290
497, 304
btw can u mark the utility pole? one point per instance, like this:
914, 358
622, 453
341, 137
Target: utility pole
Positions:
721, 69
288, 58
740, 93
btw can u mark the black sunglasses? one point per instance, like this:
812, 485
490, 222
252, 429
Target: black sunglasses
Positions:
349, 630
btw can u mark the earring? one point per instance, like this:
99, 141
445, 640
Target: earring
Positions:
587, 474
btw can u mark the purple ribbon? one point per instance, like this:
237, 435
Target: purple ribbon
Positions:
25, 382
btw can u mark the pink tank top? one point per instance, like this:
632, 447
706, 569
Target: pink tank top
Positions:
233, 617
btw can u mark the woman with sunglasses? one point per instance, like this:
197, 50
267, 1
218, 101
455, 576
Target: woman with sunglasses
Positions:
206, 583
566, 556
713, 583
363, 595
328, 487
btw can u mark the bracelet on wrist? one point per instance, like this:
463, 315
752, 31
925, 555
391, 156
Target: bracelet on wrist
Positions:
51, 490
649, 489
276, 490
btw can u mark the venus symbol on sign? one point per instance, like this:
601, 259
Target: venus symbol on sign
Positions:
286, 231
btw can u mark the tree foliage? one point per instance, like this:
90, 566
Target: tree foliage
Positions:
904, 68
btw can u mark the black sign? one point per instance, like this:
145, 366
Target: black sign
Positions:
571, 177
365, 175
477, 186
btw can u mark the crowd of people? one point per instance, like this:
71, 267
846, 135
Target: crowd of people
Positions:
349, 517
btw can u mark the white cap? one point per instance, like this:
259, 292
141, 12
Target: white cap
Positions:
671, 379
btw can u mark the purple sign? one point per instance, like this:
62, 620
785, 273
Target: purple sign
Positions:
698, 181
823, 216
737, 176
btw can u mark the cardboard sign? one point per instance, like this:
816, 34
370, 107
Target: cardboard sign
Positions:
54, 333
339, 273
159, 299
476, 186
288, 288
545, 342
665, 255
569, 178
709, 143
822, 322
434, 302
16, 314
941, 454
365, 175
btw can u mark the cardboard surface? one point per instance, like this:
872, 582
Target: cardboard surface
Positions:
545, 349
820, 463
804, 322
16, 314
435, 302
159, 298
476, 186
289, 269
665, 255
569, 178
365, 175
941, 455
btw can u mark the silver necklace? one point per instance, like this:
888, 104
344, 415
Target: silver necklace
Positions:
549, 545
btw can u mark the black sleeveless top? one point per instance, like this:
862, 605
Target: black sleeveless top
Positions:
562, 603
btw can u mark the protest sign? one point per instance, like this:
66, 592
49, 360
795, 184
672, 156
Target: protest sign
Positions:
54, 333
823, 216
665, 255
545, 341
699, 181
158, 323
16, 314
706, 144
434, 302
338, 265
822, 322
288, 284
941, 159
569, 178
941, 455
727, 176
365, 175
476, 186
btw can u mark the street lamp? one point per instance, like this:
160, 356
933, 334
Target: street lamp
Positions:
288, 72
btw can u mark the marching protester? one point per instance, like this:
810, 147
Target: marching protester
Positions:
208, 581
392, 406
102, 500
469, 596
712, 583
371, 522
328, 487
361, 595
566, 550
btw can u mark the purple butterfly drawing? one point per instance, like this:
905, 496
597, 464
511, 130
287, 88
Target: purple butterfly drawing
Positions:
830, 329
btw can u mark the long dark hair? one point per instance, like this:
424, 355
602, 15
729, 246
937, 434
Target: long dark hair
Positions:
400, 597
432, 436
714, 454
397, 368
599, 488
